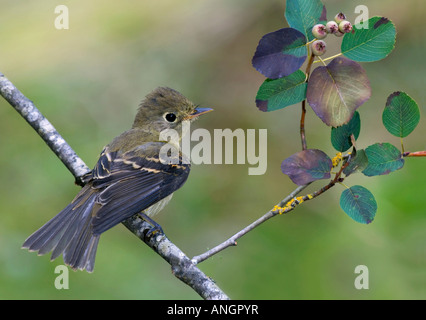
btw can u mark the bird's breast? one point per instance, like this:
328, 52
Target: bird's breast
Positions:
158, 206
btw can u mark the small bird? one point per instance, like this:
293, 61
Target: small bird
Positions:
129, 178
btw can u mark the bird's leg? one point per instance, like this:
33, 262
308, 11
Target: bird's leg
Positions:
156, 228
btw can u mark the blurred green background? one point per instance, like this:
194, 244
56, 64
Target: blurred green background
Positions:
88, 81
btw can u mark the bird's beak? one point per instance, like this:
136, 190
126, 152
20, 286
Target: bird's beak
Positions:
197, 112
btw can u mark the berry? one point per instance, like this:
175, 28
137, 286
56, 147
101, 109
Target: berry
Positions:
345, 26
339, 17
318, 47
339, 33
332, 27
319, 31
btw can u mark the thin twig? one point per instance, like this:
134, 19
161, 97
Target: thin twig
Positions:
286, 205
293, 203
414, 154
232, 241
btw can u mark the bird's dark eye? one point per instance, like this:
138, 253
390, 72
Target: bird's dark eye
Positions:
170, 117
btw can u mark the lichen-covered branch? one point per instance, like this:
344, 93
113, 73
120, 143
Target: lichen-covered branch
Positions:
286, 205
44, 128
232, 241
182, 267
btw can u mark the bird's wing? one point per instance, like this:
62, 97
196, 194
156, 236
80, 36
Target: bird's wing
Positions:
130, 182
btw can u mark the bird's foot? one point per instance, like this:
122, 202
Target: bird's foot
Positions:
156, 228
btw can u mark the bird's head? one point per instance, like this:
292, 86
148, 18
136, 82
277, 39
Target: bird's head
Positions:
165, 108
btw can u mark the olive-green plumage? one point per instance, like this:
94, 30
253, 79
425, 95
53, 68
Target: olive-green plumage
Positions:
129, 178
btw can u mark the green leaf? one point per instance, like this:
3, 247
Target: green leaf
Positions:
304, 14
307, 166
357, 162
280, 53
280, 93
337, 90
383, 158
341, 136
359, 204
401, 114
371, 41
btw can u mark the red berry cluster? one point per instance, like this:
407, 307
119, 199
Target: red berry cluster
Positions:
339, 26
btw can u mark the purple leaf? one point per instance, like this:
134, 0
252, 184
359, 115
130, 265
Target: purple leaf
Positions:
337, 90
280, 53
307, 166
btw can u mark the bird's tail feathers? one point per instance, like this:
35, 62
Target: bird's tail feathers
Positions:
70, 233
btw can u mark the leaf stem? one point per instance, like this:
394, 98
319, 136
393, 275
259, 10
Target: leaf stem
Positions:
302, 126
322, 60
302, 118
344, 185
309, 42
329, 58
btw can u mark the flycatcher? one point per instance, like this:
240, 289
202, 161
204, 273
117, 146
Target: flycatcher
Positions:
129, 178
